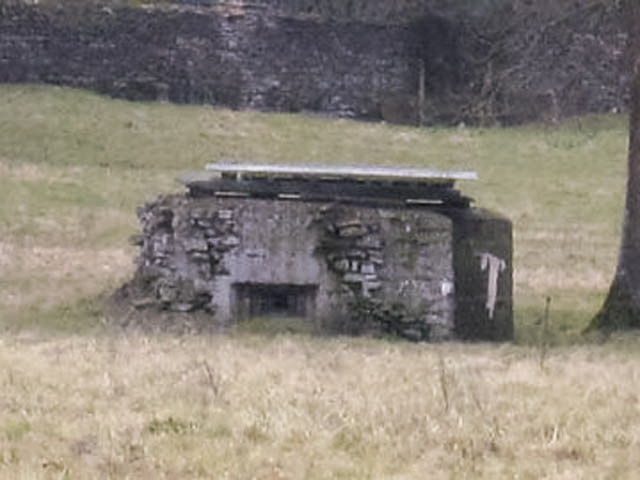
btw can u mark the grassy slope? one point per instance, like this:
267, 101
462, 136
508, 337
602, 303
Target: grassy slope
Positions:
73, 168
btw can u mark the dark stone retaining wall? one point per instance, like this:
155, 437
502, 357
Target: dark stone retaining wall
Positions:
249, 57
249, 60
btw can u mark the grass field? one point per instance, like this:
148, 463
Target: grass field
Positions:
74, 167
81, 402
294, 407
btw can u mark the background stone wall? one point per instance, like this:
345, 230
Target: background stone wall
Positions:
252, 57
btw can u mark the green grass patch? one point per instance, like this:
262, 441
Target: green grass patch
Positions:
74, 166
14, 431
275, 326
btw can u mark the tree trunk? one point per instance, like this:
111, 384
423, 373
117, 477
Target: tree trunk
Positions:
621, 309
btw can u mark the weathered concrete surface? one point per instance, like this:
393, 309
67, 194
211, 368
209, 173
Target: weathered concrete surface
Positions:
420, 273
483, 252
225, 255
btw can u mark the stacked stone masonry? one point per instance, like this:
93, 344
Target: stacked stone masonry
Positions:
344, 268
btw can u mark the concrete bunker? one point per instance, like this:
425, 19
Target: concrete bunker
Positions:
357, 250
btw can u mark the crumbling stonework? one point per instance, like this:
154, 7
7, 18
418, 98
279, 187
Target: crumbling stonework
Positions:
218, 254
343, 267
394, 263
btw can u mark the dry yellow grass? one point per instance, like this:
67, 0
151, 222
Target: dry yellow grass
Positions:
56, 268
240, 407
291, 407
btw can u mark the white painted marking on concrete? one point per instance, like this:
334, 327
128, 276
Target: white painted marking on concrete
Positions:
495, 266
446, 288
